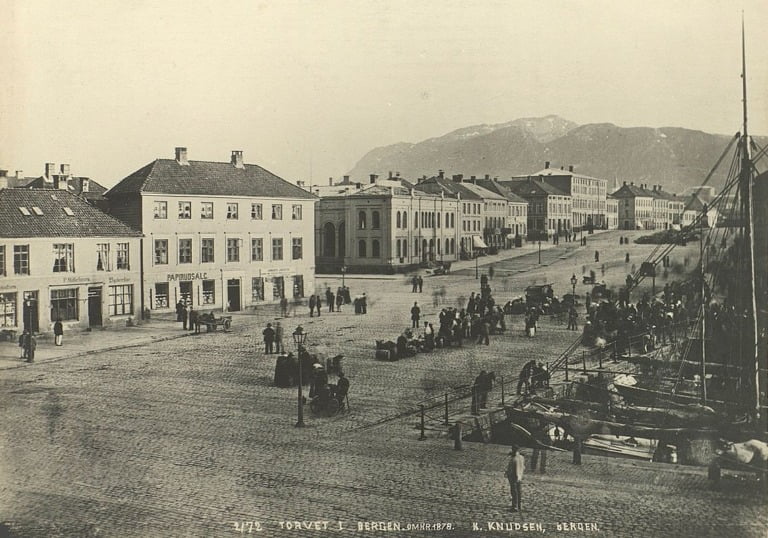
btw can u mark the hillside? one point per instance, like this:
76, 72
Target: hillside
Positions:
675, 157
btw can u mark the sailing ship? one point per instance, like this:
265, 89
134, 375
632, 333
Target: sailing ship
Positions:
711, 385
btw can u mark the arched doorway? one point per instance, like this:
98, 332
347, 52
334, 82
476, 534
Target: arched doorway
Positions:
329, 240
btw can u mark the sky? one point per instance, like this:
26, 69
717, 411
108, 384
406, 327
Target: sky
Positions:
306, 88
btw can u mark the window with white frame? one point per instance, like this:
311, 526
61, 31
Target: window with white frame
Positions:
63, 258
21, 259
209, 292
185, 210
121, 300
277, 211
233, 249
296, 212
257, 289
185, 251
206, 210
123, 256
232, 211
161, 251
161, 209
257, 249
297, 248
161, 295
102, 257
277, 249
2, 260
206, 250
257, 211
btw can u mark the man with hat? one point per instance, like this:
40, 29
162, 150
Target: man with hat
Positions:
515, 469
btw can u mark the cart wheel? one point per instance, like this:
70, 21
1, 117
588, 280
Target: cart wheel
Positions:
315, 405
227, 324
332, 407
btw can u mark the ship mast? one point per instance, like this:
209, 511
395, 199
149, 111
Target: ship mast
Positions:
747, 197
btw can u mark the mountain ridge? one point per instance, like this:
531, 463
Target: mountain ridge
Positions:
675, 157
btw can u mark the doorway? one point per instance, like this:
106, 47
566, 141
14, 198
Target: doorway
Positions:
233, 295
94, 307
31, 311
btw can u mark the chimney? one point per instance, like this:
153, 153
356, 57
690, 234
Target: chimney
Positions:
3, 179
390, 174
64, 170
373, 178
60, 182
397, 174
85, 184
345, 181
562, 168
456, 177
570, 168
419, 180
50, 170
546, 164
632, 183
237, 158
19, 174
3, 173
181, 156
625, 183
487, 176
473, 178
330, 181
440, 174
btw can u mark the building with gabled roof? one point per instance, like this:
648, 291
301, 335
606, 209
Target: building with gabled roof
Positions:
514, 226
385, 226
58, 178
63, 258
218, 235
549, 208
636, 211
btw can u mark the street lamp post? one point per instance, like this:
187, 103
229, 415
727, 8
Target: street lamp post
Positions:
539, 250
299, 338
477, 267
343, 271
28, 304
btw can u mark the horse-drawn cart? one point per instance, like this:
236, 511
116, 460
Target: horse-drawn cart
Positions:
212, 323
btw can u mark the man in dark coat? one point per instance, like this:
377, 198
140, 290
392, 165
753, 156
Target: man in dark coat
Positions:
193, 315
269, 339
415, 315
421, 284
58, 331
330, 299
318, 304
179, 310
364, 304
312, 303
184, 317
414, 284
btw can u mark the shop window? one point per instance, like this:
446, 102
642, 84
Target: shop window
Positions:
121, 300
64, 304
8, 309
257, 289
209, 292
278, 287
161, 295
298, 286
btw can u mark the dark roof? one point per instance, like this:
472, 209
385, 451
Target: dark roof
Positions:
632, 191
533, 187
85, 221
436, 184
167, 176
74, 185
494, 186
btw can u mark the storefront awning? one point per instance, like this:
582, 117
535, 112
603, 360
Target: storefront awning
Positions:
478, 242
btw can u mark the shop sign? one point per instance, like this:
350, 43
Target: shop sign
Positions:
173, 277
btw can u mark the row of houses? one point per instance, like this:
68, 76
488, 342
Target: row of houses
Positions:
216, 235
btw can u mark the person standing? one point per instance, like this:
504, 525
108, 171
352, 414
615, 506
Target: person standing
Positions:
279, 348
312, 303
23, 344
414, 284
572, 318
485, 331
269, 339
364, 304
284, 306
318, 304
184, 316
58, 332
339, 301
179, 310
330, 299
31, 345
421, 284
192, 318
415, 315
515, 469
597, 256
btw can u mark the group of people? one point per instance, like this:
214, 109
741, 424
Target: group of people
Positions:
417, 284
273, 339
533, 376
313, 373
336, 301
189, 318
